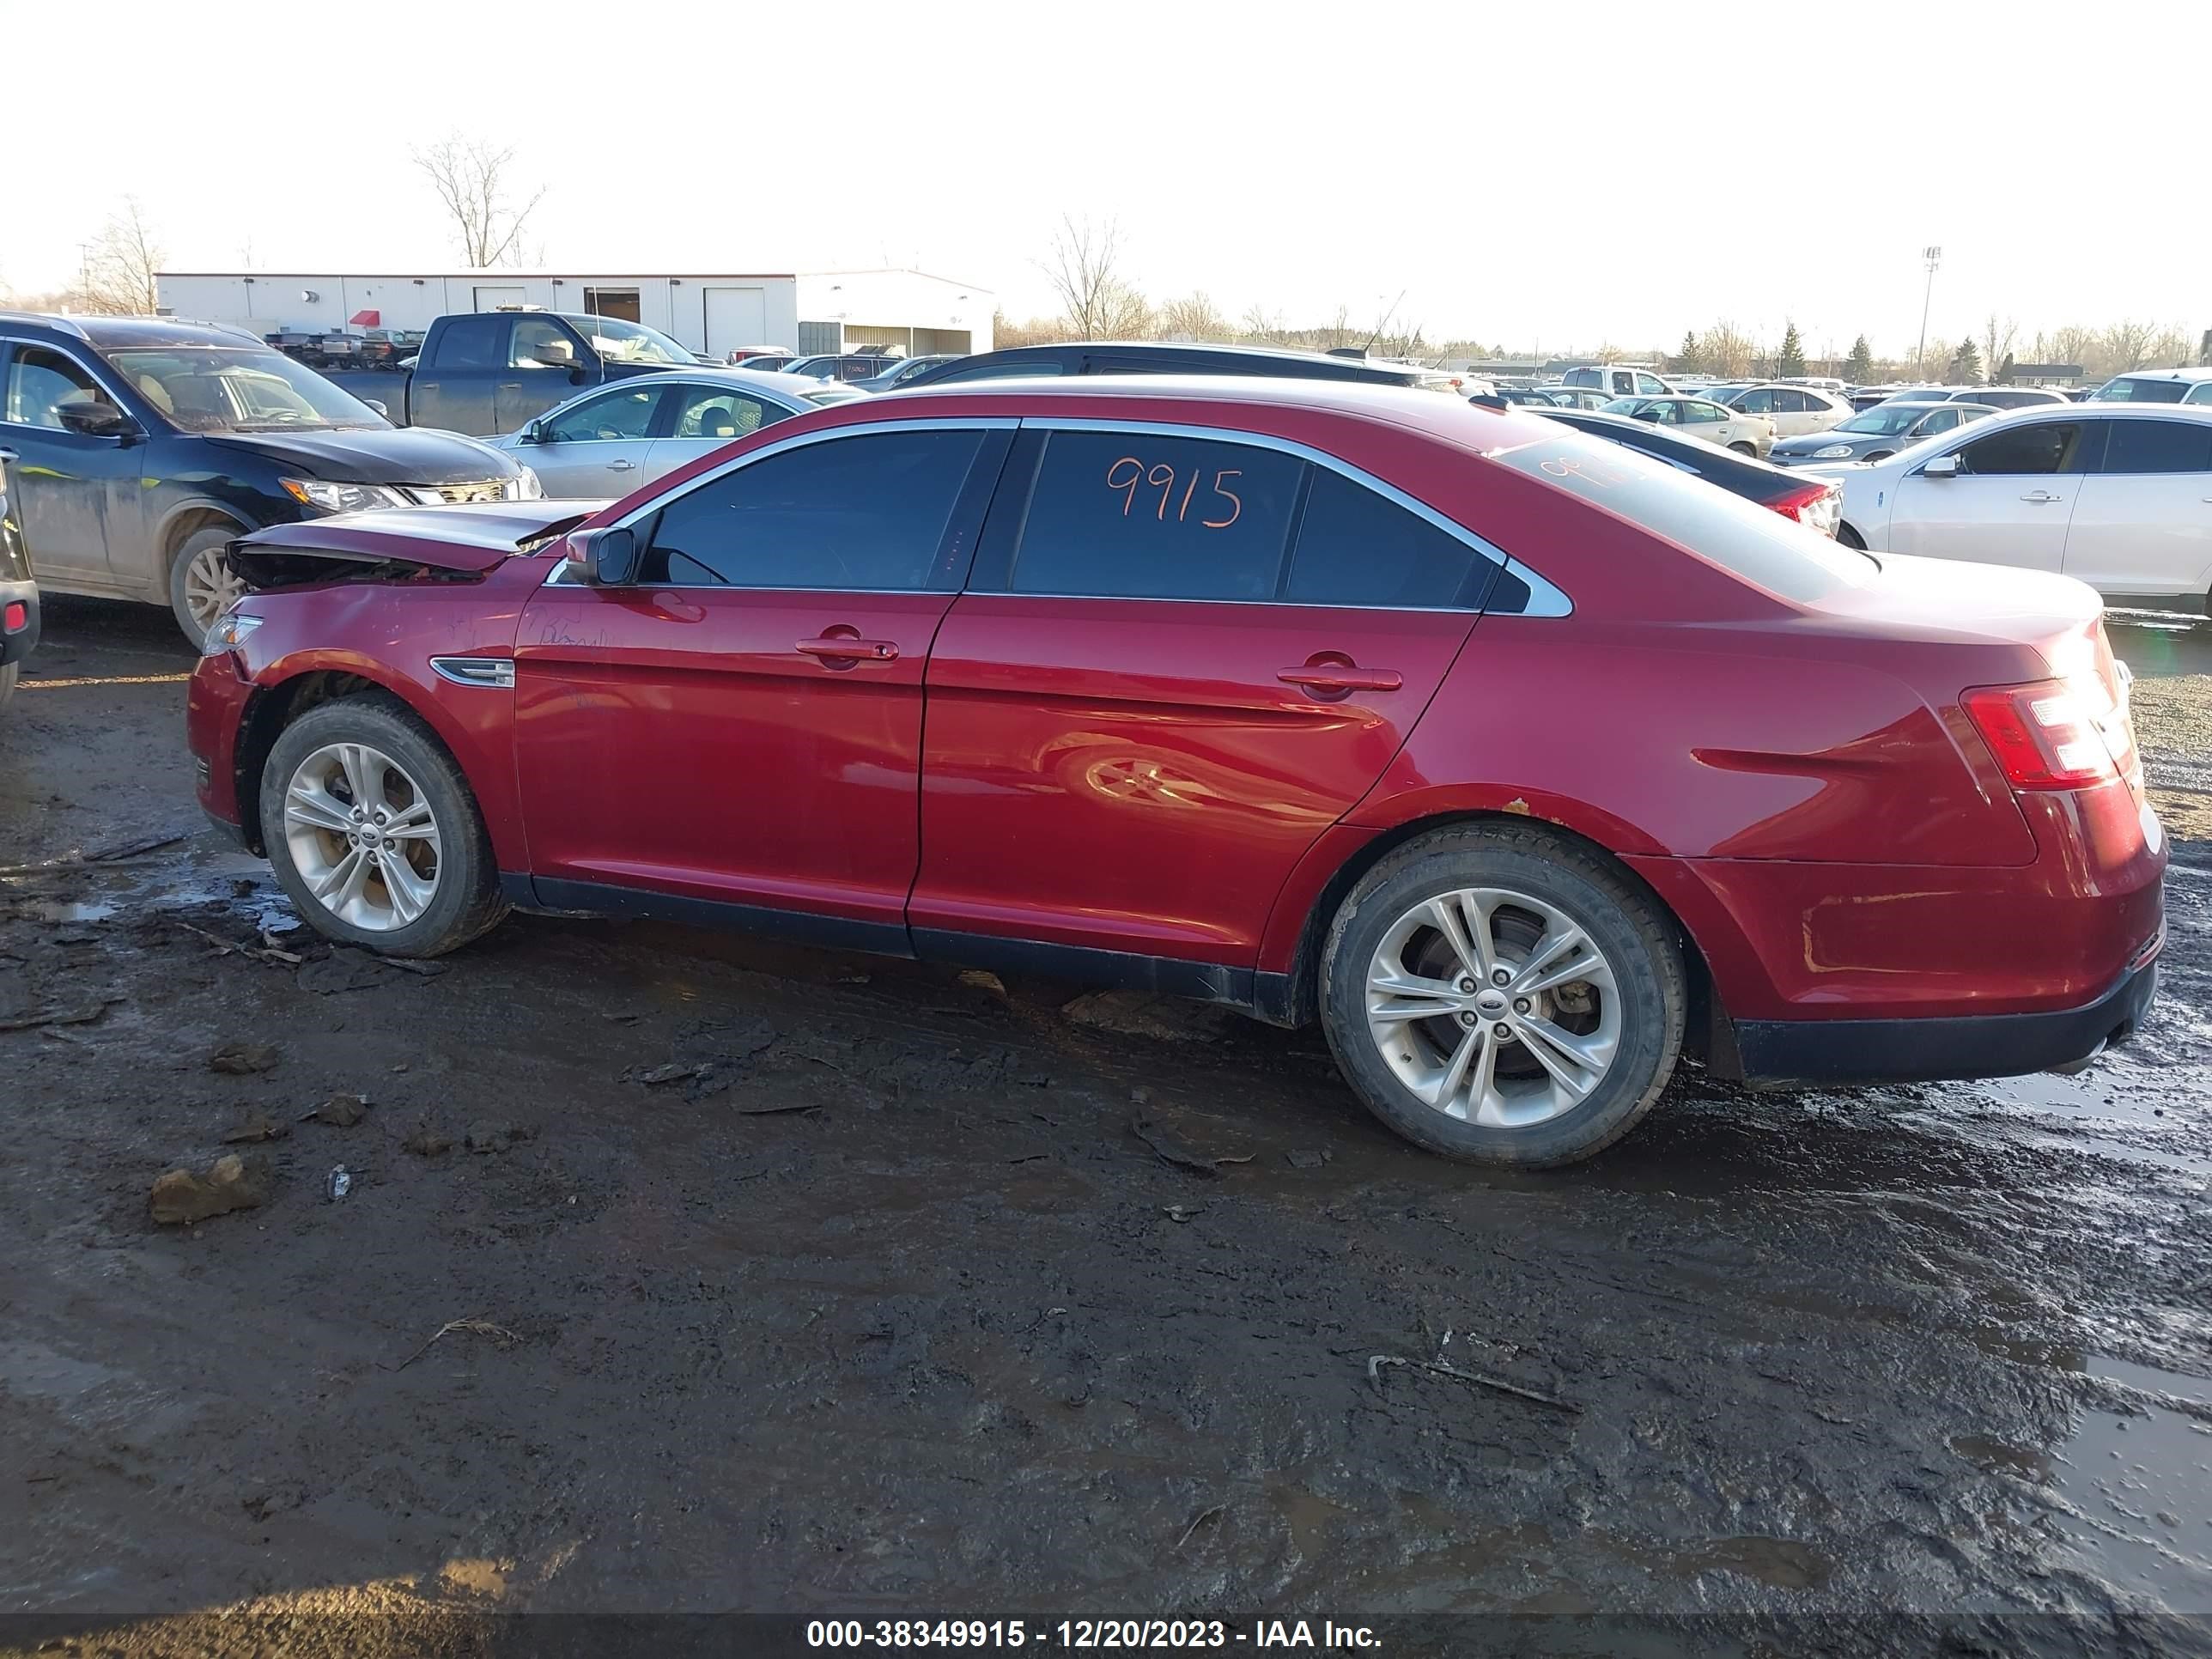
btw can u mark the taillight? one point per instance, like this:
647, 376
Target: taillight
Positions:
2041, 734
15, 619
1817, 507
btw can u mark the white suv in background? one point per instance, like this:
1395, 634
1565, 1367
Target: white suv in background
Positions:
2157, 385
1795, 409
1617, 382
2117, 495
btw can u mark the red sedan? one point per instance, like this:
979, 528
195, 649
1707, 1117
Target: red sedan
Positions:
1523, 763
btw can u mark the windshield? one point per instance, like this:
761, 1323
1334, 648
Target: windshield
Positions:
630, 343
217, 389
2126, 391
1885, 419
1751, 541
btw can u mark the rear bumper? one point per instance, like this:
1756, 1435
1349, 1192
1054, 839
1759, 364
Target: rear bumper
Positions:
1929, 1050
19, 644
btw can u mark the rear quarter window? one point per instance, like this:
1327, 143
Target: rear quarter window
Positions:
1747, 540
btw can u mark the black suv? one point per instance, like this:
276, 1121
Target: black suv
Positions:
145, 446
1160, 357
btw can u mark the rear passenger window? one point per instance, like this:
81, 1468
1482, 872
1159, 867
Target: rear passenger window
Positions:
2159, 446
865, 514
1356, 547
1142, 516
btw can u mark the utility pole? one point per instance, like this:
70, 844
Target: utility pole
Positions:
1934, 256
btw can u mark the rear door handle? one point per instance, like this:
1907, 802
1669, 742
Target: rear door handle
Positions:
2041, 496
1341, 678
622, 466
845, 648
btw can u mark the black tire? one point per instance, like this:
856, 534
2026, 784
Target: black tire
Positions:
1850, 537
9, 675
467, 902
1746, 449
200, 544
1636, 936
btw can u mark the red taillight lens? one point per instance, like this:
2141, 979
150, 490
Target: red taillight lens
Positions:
1817, 507
16, 618
2041, 735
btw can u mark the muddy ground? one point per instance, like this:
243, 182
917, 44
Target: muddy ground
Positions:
953, 1340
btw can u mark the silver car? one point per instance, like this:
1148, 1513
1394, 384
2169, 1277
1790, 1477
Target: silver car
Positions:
1876, 434
607, 441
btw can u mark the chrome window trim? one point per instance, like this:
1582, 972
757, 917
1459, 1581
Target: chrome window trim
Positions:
798, 439
496, 674
1543, 599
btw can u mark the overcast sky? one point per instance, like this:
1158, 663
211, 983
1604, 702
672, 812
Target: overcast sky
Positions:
1558, 176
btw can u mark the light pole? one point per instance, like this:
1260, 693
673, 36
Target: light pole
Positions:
1934, 256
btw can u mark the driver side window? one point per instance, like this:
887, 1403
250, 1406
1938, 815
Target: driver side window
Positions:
40, 383
2045, 446
618, 414
865, 514
537, 343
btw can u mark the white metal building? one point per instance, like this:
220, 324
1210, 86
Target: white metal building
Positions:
807, 311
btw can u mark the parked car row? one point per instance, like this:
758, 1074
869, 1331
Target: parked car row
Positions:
1178, 683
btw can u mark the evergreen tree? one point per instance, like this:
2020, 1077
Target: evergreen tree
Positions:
1686, 357
1791, 360
1967, 363
1858, 368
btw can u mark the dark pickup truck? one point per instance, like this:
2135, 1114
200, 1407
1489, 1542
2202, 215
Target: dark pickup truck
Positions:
488, 372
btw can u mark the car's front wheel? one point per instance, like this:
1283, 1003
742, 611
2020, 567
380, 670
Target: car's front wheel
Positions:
1505, 995
373, 833
202, 586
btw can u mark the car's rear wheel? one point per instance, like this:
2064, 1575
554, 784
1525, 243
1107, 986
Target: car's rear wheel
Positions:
373, 831
1850, 537
1745, 449
1503, 995
202, 585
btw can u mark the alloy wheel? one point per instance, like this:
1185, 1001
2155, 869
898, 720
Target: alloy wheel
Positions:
210, 588
362, 837
1493, 1007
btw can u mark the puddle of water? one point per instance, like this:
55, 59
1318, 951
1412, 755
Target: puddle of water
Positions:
2139, 1492
65, 911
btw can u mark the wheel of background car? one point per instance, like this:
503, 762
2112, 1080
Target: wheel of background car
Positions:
1741, 448
201, 585
1850, 537
373, 832
9, 674
1502, 994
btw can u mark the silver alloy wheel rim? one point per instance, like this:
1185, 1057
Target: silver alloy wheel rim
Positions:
1493, 1007
210, 587
362, 837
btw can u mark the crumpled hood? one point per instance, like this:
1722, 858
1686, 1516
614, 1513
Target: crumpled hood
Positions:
471, 540
388, 455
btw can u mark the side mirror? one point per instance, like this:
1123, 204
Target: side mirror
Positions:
553, 354
605, 558
98, 419
1943, 467
533, 433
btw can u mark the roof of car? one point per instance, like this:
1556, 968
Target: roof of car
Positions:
103, 332
2190, 374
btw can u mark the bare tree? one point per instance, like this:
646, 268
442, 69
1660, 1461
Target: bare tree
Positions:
1085, 270
1194, 318
1728, 351
1996, 343
119, 265
2171, 349
2128, 345
1261, 325
470, 179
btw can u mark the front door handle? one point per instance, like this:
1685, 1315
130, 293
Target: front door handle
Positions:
1340, 679
2041, 497
835, 648
622, 466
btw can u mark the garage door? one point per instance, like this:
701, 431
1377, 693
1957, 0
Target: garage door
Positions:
491, 299
736, 316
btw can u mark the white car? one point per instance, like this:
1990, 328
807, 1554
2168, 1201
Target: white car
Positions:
1795, 409
606, 441
1618, 381
2156, 386
2117, 495
1700, 417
